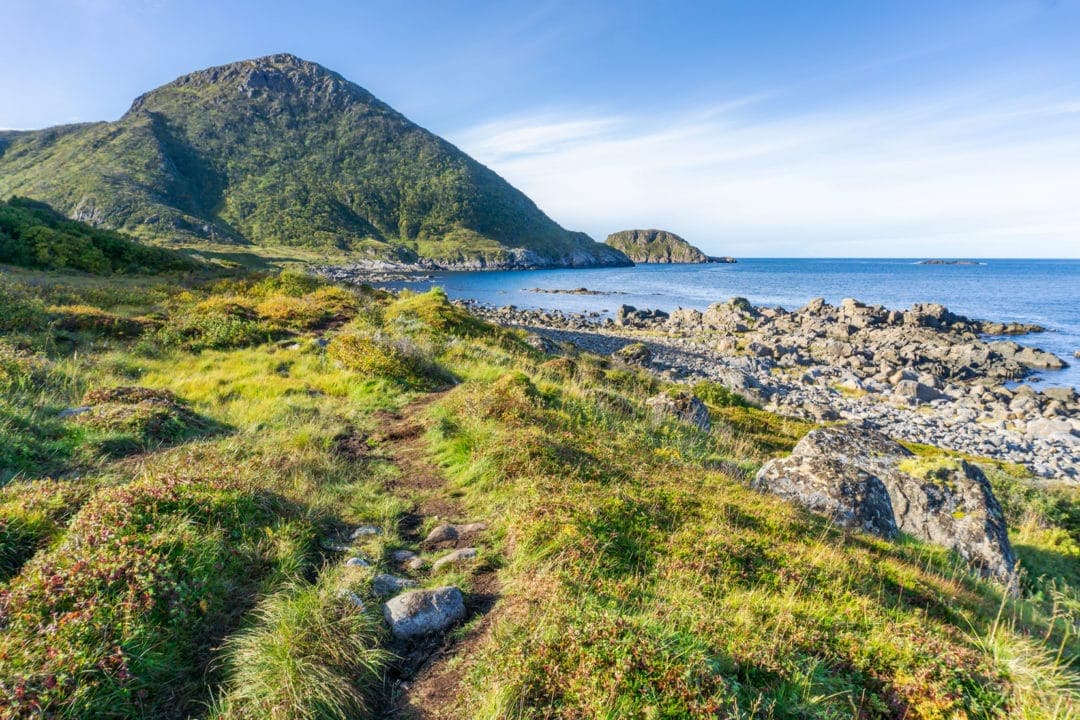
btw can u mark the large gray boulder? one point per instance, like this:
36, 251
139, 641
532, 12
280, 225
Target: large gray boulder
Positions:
422, 612
864, 480
850, 496
681, 405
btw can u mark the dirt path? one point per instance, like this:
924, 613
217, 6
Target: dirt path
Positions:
425, 683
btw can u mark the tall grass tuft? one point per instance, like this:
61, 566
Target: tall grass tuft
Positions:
311, 654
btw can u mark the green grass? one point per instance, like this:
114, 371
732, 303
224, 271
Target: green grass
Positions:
639, 575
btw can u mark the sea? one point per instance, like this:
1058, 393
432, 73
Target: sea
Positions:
1046, 292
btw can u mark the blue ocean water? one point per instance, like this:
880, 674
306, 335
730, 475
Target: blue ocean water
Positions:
1046, 292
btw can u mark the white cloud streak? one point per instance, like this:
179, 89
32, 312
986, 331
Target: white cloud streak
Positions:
937, 178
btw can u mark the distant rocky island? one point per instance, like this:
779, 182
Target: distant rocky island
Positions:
659, 246
948, 262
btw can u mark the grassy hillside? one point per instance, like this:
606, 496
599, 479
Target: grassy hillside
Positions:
279, 151
173, 549
34, 235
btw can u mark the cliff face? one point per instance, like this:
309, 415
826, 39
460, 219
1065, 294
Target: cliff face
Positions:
656, 246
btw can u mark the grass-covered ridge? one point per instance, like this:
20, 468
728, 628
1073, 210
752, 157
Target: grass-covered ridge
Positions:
279, 151
163, 551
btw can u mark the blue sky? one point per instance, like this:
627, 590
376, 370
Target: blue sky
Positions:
752, 128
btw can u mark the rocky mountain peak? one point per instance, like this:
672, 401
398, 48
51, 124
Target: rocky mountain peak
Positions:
281, 75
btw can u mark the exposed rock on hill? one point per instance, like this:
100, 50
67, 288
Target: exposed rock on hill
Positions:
281, 151
864, 480
658, 246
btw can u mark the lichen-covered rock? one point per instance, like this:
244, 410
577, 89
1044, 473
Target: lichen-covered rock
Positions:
863, 479
422, 612
680, 405
850, 496
637, 354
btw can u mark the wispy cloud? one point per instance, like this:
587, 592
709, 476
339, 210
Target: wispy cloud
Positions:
957, 176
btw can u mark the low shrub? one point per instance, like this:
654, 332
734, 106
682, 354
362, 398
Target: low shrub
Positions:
85, 318
20, 312
218, 323
305, 312
142, 417
433, 311
116, 620
289, 283
31, 514
717, 395
380, 355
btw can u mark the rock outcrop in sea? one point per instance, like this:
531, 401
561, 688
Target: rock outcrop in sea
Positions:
658, 246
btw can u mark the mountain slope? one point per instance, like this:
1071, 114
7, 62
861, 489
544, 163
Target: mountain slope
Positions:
655, 246
281, 151
32, 234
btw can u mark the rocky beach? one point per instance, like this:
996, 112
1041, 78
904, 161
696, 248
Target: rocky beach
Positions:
922, 375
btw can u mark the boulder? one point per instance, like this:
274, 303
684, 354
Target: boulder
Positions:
862, 479
680, 405
914, 391
637, 354
1061, 394
1052, 429
851, 497
422, 612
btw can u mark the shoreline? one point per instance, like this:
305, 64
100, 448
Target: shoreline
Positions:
976, 415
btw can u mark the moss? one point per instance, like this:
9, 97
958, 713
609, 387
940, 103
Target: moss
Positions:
938, 470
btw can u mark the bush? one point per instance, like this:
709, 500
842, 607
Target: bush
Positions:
289, 283
218, 323
18, 311
379, 355
433, 311
113, 621
84, 318
717, 395
31, 514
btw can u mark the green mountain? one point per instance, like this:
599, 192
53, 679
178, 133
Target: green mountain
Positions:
280, 151
657, 246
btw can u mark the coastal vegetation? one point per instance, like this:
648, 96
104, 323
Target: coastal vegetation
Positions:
206, 473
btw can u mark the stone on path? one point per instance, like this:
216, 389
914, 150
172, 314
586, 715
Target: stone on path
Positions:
449, 533
385, 585
456, 557
422, 612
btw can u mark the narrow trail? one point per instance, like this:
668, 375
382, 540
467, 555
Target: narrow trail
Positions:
425, 683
